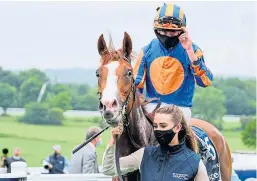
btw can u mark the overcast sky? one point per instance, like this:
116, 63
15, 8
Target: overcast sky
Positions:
64, 34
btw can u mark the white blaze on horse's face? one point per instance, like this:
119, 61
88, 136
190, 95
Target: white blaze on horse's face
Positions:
110, 92
114, 78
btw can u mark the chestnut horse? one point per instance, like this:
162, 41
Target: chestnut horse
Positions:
120, 103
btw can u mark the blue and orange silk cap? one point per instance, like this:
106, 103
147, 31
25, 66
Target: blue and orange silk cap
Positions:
170, 17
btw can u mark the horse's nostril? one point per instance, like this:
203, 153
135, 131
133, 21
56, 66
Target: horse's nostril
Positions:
108, 115
115, 103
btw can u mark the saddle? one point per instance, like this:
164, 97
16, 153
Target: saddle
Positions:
144, 102
210, 156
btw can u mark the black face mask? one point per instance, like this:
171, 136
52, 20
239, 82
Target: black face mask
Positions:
164, 137
167, 42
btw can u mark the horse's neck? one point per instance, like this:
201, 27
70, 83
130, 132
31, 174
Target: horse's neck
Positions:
140, 130
139, 125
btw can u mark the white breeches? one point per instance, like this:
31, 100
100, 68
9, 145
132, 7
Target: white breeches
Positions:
186, 110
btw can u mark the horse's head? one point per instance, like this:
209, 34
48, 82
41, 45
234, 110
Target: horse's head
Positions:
115, 79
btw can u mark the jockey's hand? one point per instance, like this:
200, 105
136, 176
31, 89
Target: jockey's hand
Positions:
185, 40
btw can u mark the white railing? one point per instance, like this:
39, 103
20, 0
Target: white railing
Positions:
242, 161
68, 177
57, 177
40, 174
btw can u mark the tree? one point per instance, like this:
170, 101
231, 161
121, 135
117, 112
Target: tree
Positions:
55, 115
78, 102
238, 102
244, 120
240, 95
209, 104
83, 89
7, 96
87, 101
36, 113
61, 100
30, 90
57, 88
41, 113
10, 78
249, 134
33, 73
91, 102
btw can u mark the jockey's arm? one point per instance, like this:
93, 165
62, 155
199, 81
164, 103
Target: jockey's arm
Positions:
203, 75
139, 72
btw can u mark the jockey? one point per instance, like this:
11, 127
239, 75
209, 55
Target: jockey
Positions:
171, 64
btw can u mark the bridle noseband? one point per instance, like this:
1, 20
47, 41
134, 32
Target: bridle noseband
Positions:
123, 109
125, 121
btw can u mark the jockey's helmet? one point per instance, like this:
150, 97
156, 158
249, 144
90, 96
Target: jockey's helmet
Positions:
168, 24
169, 17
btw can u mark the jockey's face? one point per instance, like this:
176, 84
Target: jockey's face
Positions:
169, 33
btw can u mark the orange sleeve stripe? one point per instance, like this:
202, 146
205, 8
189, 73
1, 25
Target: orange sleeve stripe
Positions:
198, 71
202, 74
199, 53
205, 79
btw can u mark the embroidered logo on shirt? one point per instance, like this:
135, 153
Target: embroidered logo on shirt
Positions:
180, 176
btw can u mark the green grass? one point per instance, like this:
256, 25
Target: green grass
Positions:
36, 141
232, 133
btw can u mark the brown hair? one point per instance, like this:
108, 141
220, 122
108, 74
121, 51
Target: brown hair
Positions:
177, 116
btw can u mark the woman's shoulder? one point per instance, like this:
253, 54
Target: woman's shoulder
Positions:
192, 154
192, 159
150, 149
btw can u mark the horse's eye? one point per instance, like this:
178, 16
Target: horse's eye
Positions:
129, 73
97, 73
99, 95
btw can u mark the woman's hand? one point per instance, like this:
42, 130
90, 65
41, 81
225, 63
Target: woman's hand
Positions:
117, 131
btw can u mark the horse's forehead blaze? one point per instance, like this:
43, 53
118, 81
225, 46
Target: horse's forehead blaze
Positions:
113, 70
109, 75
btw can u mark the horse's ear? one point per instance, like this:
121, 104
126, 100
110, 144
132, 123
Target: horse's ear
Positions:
101, 46
127, 45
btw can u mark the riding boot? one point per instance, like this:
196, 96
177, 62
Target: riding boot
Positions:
204, 151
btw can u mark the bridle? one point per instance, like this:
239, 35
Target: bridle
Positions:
125, 120
122, 110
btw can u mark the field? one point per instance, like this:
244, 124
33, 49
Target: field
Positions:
36, 141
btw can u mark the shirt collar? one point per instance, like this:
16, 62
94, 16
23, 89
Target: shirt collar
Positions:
93, 146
